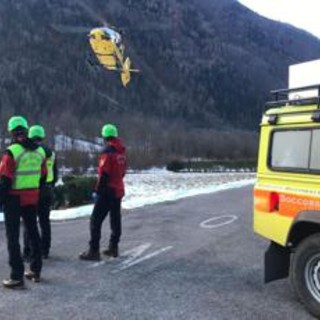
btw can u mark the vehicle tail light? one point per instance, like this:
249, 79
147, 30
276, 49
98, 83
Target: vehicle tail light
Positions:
266, 201
273, 202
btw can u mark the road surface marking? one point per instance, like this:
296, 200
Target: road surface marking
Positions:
126, 265
219, 221
134, 256
134, 253
97, 264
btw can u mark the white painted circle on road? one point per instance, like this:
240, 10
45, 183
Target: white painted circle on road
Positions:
219, 221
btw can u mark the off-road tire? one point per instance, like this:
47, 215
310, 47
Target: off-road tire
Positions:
305, 273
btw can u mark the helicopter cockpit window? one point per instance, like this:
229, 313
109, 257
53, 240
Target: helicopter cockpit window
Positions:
105, 36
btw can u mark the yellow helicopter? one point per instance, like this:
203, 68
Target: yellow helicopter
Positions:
106, 43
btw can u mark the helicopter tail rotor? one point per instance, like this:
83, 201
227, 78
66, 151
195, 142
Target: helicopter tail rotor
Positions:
125, 74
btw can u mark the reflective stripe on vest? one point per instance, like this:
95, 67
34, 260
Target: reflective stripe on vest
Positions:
28, 167
50, 165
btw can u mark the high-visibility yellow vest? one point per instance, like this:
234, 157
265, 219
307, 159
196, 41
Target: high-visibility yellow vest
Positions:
28, 167
50, 165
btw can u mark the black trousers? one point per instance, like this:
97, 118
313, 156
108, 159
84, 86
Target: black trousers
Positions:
44, 208
13, 211
103, 206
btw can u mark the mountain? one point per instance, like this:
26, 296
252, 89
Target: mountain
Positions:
204, 63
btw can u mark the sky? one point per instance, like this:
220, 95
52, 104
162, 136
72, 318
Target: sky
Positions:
303, 14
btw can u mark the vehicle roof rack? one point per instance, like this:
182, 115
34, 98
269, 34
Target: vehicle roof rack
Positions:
281, 97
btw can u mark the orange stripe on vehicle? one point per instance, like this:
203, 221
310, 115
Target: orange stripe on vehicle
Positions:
290, 204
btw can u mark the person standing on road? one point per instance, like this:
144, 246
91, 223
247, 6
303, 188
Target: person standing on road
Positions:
109, 192
22, 170
37, 135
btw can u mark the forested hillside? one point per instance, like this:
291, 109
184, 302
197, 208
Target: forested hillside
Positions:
205, 64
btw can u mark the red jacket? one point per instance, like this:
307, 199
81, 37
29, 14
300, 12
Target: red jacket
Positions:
7, 172
112, 169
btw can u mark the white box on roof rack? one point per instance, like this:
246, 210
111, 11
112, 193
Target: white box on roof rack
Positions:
303, 75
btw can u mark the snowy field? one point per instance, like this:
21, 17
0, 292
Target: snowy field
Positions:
160, 186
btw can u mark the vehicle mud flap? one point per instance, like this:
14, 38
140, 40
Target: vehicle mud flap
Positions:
276, 262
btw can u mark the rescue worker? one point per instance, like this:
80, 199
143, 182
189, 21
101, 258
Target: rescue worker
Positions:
22, 171
37, 135
109, 192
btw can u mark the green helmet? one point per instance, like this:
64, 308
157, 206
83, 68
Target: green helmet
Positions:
17, 121
36, 132
109, 131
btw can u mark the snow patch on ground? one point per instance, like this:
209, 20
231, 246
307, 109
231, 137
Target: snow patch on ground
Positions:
160, 186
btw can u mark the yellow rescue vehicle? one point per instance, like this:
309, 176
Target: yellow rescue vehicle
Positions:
287, 191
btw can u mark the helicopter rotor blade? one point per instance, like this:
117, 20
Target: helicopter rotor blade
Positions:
94, 15
61, 28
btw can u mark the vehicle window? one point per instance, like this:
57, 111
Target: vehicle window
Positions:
290, 149
315, 150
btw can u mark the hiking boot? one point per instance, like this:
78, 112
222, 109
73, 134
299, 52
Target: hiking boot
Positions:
13, 284
90, 255
111, 252
33, 276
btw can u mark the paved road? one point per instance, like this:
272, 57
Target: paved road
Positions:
172, 267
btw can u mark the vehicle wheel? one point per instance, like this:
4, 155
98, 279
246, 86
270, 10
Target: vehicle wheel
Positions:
305, 273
